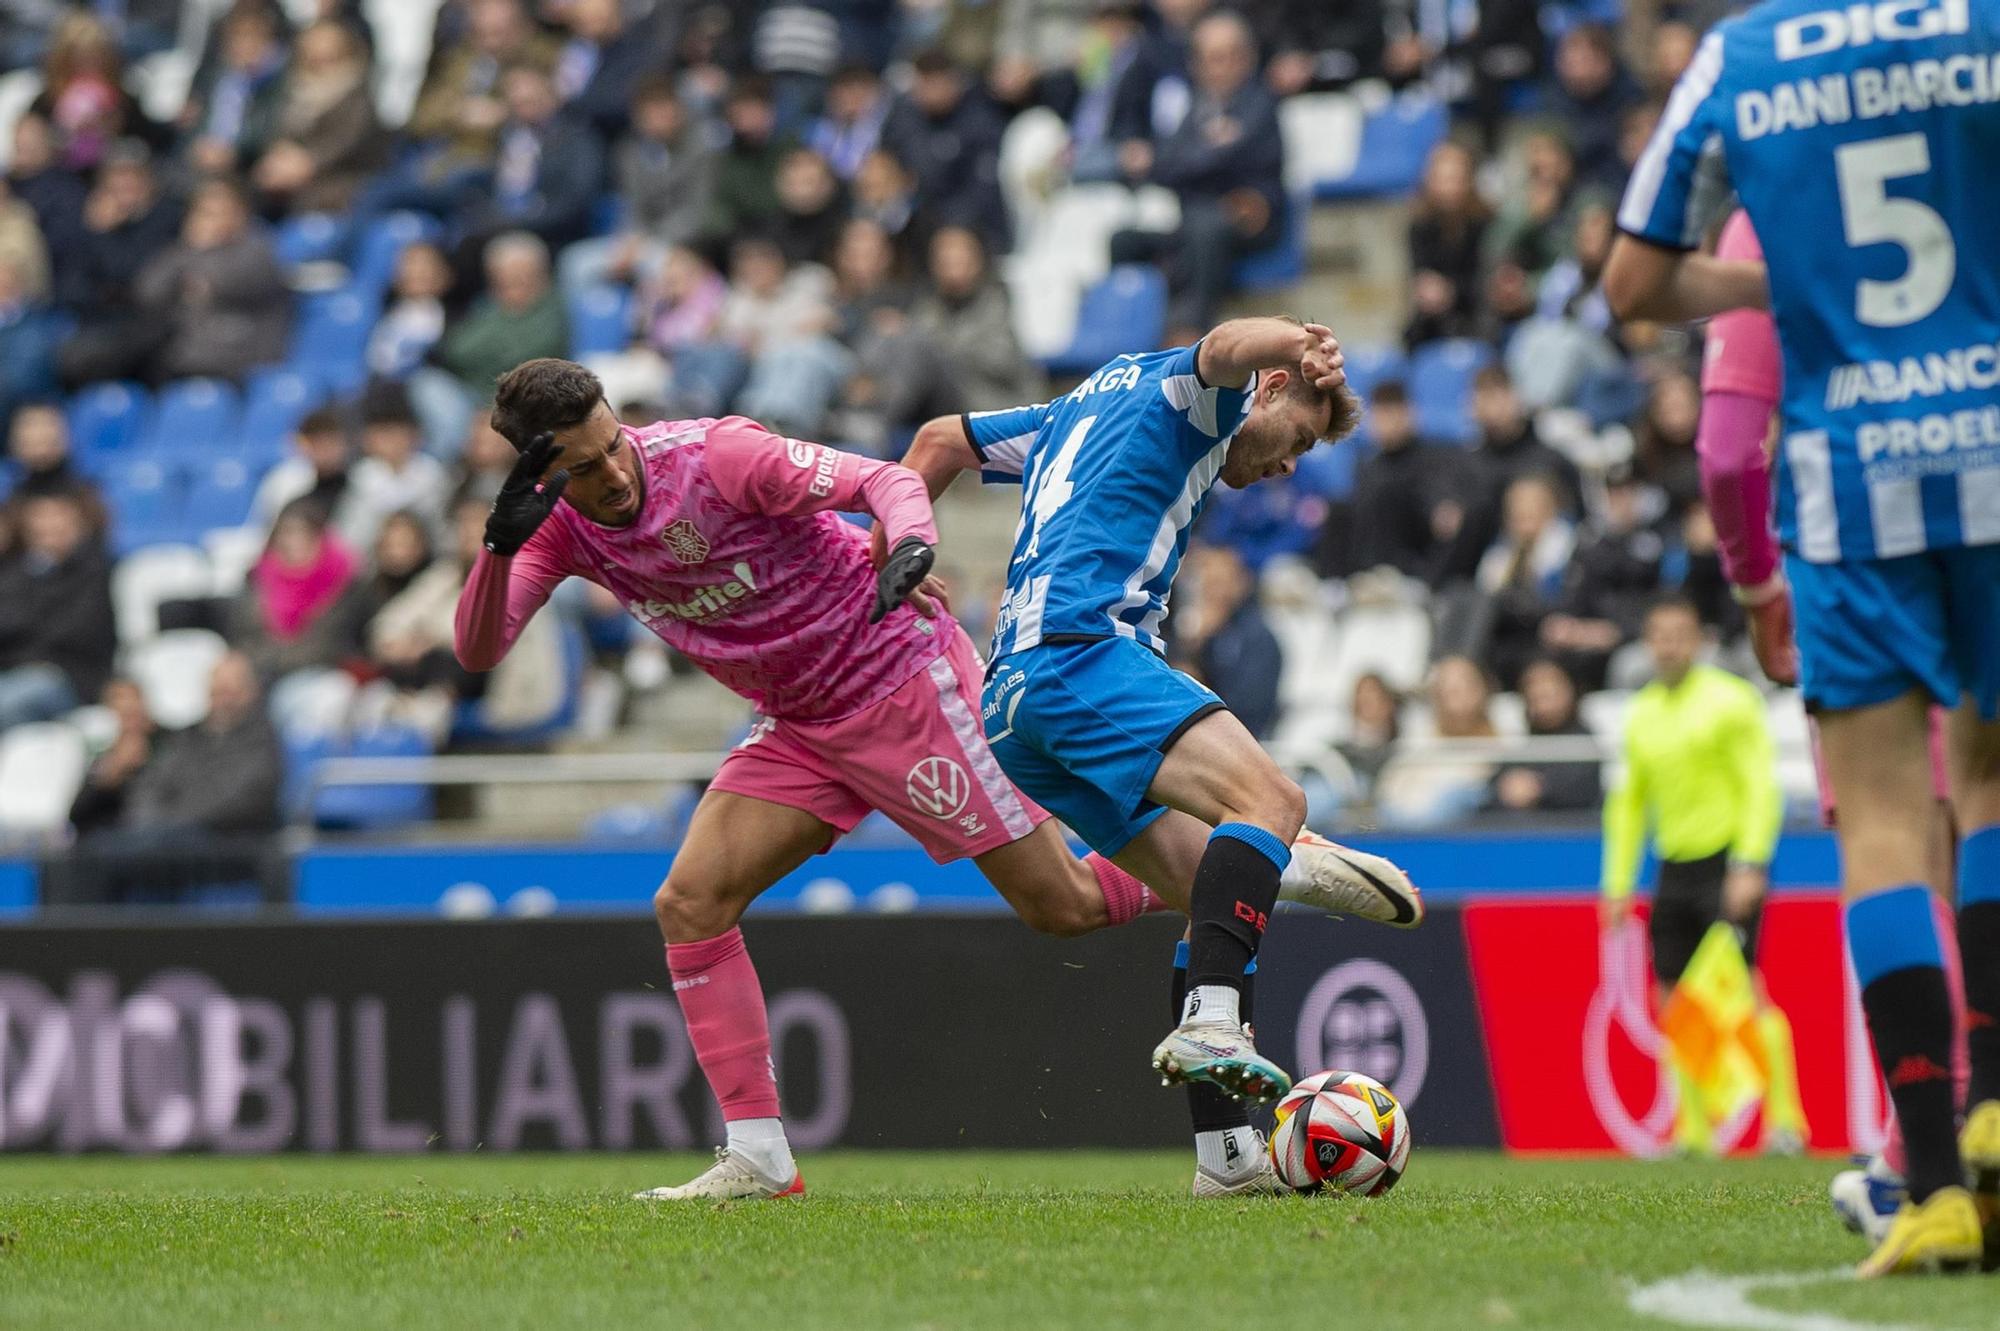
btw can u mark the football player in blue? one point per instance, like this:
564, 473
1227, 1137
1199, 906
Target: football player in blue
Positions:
1863, 141
1080, 705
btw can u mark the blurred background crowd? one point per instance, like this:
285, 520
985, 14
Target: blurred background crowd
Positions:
261, 262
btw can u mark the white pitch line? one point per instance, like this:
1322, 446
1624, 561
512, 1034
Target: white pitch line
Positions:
1701, 1298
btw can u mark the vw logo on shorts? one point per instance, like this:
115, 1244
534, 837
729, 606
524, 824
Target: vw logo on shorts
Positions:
938, 787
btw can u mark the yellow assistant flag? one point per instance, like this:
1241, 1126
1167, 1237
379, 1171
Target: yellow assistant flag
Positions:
1708, 1024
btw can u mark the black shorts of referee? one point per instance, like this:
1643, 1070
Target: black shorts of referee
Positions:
1686, 902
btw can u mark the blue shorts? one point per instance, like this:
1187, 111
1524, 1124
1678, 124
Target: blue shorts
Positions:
1081, 728
1874, 629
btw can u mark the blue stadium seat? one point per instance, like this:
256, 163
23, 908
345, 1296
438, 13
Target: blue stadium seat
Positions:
1395, 142
146, 498
273, 405
310, 238
1328, 471
194, 418
219, 494
1126, 311
1283, 264
105, 418
330, 338
466, 727
600, 320
382, 242
1368, 366
1440, 382
375, 807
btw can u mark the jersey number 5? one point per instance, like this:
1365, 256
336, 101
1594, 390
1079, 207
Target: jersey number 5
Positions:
1872, 217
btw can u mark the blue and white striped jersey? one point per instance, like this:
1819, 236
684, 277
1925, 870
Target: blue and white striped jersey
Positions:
1112, 475
1865, 143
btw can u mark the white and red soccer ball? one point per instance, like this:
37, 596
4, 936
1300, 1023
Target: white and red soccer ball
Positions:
1343, 1131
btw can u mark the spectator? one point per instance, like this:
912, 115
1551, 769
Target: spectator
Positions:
394, 474
682, 307
1446, 788
1613, 576
282, 623
778, 320
328, 140
550, 171
1374, 726
403, 550
857, 106
519, 319
127, 225
965, 317
1663, 443
29, 336
415, 320
1399, 488
229, 121
1508, 449
109, 779
1550, 696
811, 207
1502, 52
885, 193
56, 627
38, 441
1105, 95
84, 97
219, 297
320, 471
601, 63
899, 379
949, 137
1319, 46
485, 462
54, 195
1589, 100
665, 171
1673, 48
1446, 236
1534, 225
1226, 162
22, 246
1227, 641
1521, 576
1695, 571
1566, 354
746, 170
460, 111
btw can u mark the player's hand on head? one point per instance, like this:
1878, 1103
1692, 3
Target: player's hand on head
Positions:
1324, 365
526, 498
903, 573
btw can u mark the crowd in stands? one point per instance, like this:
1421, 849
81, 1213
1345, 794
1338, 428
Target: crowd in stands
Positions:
828, 216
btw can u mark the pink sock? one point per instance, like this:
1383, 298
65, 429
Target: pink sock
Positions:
723, 1006
1125, 897
1961, 1055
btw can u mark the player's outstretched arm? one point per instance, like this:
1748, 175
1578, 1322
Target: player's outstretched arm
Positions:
1235, 350
1647, 281
940, 452
508, 583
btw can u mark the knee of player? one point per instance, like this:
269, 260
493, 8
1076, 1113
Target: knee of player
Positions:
1281, 807
682, 909
1064, 915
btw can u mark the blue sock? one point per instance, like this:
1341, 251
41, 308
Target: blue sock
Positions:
1979, 950
1893, 941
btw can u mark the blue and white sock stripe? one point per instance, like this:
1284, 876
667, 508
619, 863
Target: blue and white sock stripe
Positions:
1892, 931
1266, 843
1979, 867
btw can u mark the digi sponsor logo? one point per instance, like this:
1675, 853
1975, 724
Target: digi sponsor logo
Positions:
1862, 24
1363, 1016
685, 542
938, 787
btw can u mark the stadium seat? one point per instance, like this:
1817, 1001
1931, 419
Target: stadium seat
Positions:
373, 807
105, 418
231, 553
1368, 366
467, 728
330, 338
1395, 142
1393, 641
382, 243
194, 418
273, 405
41, 769
172, 670
1328, 471
1322, 134
1440, 382
147, 577
219, 494
600, 320
1127, 310
145, 497
1283, 264
310, 238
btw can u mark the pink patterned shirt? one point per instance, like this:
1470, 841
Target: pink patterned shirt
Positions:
737, 561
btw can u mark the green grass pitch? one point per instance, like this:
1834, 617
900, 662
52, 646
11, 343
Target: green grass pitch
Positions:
939, 1240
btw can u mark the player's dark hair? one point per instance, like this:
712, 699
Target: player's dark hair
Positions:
543, 396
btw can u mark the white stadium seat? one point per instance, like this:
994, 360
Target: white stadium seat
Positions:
149, 576
232, 553
41, 769
172, 670
1322, 134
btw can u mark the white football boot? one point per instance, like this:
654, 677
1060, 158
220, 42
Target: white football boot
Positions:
1261, 1180
730, 1178
1223, 1054
1343, 881
1866, 1200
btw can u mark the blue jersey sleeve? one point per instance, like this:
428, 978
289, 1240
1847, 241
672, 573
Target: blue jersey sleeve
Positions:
1681, 181
1212, 411
1003, 438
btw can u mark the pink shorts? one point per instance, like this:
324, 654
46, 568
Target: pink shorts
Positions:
919, 756
1940, 768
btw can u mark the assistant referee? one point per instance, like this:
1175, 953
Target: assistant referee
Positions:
1701, 773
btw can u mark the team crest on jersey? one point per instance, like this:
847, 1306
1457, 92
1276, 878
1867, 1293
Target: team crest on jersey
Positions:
938, 787
685, 542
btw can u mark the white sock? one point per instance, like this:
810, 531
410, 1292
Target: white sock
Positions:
761, 1142
1212, 1003
1226, 1152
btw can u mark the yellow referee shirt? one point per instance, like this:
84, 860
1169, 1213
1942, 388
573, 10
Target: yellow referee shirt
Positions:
1701, 770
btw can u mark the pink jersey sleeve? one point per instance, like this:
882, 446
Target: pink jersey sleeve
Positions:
1740, 383
759, 472
500, 596
1742, 351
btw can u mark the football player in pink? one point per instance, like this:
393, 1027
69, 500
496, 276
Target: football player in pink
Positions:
723, 539
1742, 380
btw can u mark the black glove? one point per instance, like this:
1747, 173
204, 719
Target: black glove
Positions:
902, 573
526, 499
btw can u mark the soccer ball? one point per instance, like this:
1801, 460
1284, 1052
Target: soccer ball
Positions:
1343, 1131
